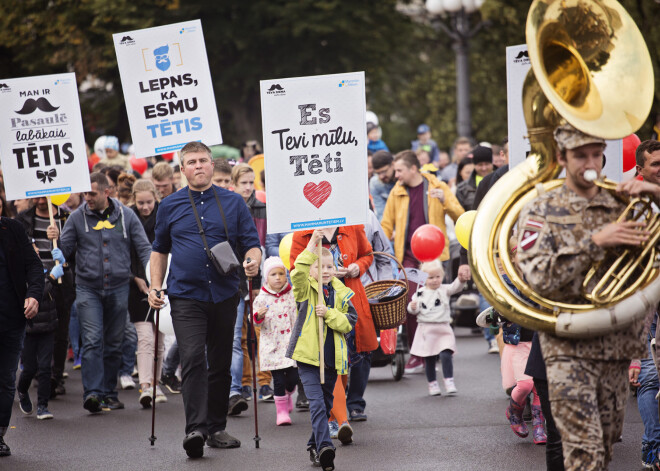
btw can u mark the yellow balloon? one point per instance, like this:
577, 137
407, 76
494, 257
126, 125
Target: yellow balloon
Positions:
59, 199
464, 227
285, 250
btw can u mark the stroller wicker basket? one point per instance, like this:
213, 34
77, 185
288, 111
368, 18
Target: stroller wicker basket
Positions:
388, 314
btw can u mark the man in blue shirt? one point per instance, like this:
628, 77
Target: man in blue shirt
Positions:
203, 301
382, 182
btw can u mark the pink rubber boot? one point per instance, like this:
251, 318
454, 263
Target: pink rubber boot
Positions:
289, 396
514, 413
282, 406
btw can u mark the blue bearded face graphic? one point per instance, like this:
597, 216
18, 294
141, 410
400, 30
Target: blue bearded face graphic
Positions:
162, 57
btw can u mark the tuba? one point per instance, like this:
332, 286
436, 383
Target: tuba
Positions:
591, 68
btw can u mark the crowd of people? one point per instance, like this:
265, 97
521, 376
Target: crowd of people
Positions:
87, 285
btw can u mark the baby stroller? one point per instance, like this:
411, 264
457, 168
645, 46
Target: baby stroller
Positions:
388, 313
396, 360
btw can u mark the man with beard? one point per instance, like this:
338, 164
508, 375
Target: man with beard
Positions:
383, 180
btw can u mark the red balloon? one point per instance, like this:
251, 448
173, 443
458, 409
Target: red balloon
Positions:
168, 156
139, 165
630, 144
427, 243
261, 195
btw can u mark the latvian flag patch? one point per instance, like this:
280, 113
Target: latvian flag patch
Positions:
530, 234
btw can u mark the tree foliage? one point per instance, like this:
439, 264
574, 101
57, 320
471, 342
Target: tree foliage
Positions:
410, 67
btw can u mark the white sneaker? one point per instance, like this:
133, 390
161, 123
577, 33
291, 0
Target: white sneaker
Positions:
145, 397
450, 387
126, 382
434, 389
492, 347
160, 395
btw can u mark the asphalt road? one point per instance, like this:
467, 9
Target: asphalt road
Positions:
406, 430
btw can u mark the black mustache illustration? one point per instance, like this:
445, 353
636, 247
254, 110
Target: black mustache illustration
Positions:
522, 54
276, 86
31, 104
4, 85
126, 38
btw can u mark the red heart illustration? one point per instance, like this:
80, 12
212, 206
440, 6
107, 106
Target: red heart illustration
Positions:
317, 194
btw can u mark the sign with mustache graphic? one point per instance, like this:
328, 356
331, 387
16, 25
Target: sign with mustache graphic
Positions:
315, 143
42, 144
167, 87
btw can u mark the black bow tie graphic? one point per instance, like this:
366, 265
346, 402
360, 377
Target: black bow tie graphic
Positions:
48, 174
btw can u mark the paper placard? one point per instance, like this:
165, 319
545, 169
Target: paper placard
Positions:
167, 87
315, 151
42, 144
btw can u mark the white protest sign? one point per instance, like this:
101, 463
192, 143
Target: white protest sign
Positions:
42, 144
315, 151
517, 66
167, 87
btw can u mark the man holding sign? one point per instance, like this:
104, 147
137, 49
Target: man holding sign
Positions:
203, 300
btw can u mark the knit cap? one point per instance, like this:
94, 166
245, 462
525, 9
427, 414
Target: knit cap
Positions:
270, 263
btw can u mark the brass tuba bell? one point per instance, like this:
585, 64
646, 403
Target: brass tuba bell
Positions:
590, 67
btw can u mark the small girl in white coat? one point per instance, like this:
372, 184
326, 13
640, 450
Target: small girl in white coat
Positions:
275, 310
434, 335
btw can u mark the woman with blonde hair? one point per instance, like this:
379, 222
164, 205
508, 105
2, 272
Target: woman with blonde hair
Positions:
146, 205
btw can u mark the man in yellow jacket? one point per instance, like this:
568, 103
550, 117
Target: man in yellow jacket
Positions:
417, 199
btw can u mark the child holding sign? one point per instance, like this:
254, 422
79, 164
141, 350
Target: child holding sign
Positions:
304, 346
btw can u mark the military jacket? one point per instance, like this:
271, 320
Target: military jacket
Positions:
555, 251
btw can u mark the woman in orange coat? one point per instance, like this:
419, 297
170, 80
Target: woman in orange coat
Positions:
351, 250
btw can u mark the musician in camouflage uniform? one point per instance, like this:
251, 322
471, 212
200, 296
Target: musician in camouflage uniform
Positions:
561, 234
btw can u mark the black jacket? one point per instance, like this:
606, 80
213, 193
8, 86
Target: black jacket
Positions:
46, 319
25, 269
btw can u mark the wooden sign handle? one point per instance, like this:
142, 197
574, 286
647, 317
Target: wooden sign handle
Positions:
322, 300
52, 223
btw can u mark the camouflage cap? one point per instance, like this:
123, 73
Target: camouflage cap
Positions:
569, 138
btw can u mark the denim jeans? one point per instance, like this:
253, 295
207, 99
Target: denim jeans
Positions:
320, 402
237, 352
483, 305
102, 318
172, 360
74, 331
647, 403
128, 348
11, 344
359, 375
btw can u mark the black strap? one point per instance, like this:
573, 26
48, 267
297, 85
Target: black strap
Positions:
199, 222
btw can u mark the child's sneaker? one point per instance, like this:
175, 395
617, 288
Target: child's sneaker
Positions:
43, 413
434, 389
450, 387
25, 403
333, 426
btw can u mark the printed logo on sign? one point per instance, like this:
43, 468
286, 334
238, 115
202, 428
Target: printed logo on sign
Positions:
4, 88
276, 89
349, 83
62, 82
189, 29
162, 57
522, 58
127, 41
